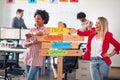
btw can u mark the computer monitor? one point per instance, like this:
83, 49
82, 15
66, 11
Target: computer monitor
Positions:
9, 33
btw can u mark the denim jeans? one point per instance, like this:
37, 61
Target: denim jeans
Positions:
98, 68
32, 72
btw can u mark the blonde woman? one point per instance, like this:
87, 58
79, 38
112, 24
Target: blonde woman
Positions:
99, 39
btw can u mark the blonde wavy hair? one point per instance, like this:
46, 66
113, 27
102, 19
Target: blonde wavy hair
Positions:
104, 24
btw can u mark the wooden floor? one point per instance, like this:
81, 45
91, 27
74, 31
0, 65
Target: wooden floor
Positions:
115, 72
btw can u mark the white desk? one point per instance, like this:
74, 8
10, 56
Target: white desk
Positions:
13, 50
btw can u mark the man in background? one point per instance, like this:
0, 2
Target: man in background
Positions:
82, 17
18, 21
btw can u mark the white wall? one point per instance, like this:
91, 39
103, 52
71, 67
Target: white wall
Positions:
67, 12
0, 13
6, 12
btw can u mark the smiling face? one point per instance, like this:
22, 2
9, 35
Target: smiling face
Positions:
102, 25
82, 19
20, 15
39, 21
98, 26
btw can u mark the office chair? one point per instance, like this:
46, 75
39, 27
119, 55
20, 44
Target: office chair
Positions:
7, 66
3, 65
70, 63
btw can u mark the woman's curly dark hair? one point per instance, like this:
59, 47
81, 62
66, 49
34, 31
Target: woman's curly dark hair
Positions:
43, 14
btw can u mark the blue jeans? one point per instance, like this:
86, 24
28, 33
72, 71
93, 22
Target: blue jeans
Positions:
98, 68
32, 72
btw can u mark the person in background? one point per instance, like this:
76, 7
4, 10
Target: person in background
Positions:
31, 58
18, 21
61, 24
99, 40
68, 61
82, 17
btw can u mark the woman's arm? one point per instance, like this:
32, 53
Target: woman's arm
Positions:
116, 44
88, 26
83, 31
27, 44
40, 33
31, 37
110, 54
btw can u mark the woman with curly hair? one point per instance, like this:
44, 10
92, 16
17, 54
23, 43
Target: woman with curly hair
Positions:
31, 58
